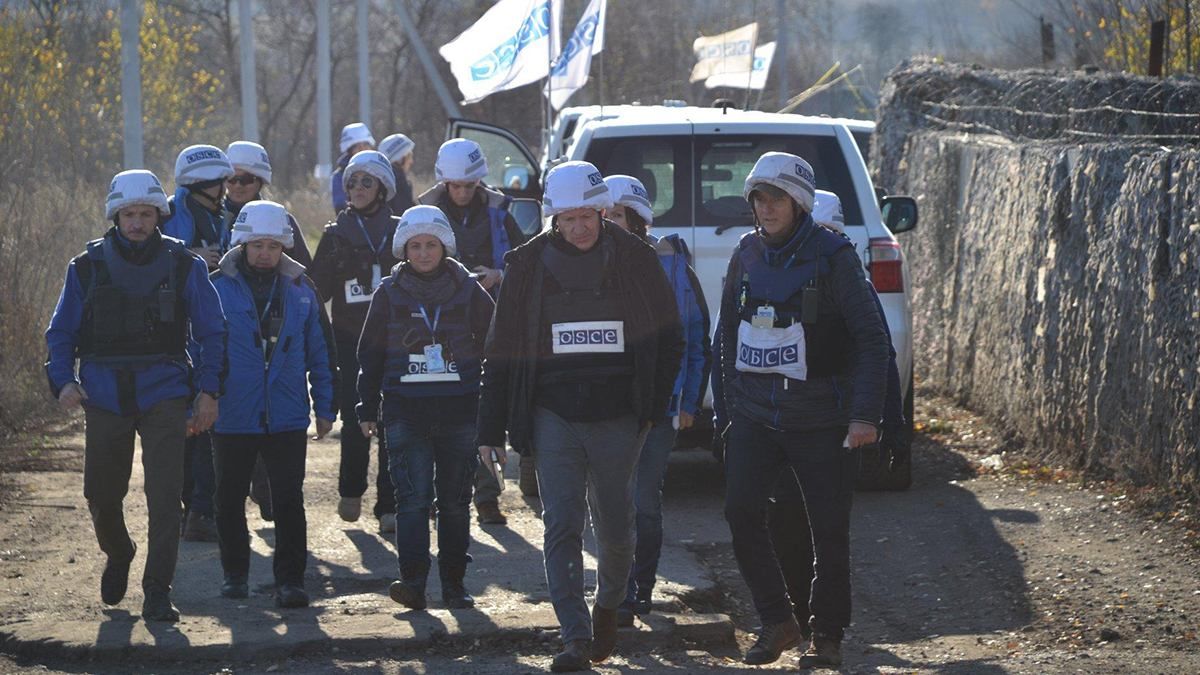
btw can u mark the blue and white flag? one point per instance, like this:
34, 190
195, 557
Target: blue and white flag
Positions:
511, 45
570, 71
755, 79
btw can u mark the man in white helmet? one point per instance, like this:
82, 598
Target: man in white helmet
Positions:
485, 232
399, 150
196, 218
195, 209
278, 345
799, 382
581, 359
124, 314
355, 138
354, 254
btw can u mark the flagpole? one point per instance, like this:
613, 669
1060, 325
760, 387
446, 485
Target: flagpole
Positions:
546, 109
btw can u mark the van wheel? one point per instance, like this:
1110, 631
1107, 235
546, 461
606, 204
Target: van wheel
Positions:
875, 474
528, 477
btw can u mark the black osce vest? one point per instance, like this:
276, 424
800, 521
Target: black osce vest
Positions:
133, 313
583, 331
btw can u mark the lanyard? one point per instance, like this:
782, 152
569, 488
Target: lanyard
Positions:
378, 249
437, 315
270, 299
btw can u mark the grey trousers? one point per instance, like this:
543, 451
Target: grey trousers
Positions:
582, 466
107, 464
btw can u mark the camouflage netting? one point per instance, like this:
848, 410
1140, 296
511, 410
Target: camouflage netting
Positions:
1056, 277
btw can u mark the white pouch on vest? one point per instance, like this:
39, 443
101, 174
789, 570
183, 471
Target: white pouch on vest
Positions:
418, 371
588, 337
778, 351
356, 292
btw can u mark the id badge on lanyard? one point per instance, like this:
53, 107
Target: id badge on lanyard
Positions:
435, 361
356, 291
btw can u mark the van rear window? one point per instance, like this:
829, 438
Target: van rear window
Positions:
717, 168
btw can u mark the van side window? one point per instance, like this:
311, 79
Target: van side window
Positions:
652, 160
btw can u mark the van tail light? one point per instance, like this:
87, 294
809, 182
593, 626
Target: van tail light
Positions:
887, 261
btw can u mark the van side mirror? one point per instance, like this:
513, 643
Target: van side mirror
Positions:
528, 214
899, 213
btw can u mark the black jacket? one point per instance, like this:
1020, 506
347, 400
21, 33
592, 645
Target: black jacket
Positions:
343, 254
653, 333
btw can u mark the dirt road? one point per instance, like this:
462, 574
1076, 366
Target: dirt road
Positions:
984, 566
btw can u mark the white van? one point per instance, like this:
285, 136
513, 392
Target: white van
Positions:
694, 161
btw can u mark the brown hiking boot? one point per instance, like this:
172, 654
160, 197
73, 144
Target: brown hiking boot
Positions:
824, 651
488, 513
772, 642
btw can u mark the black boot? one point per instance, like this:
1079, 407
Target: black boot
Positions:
235, 587
454, 594
157, 606
410, 589
772, 641
115, 579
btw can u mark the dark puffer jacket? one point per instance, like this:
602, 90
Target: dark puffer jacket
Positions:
856, 393
511, 353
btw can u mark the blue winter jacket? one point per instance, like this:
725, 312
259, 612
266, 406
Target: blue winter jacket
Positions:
193, 224
336, 189
269, 398
688, 394
153, 382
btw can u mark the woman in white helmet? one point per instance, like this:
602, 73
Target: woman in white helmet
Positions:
802, 360
420, 357
251, 175
581, 360
354, 254
355, 138
277, 345
399, 150
195, 216
632, 212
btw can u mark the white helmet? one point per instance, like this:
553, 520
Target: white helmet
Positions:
787, 172
827, 211
376, 164
200, 164
423, 220
261, 219
251, 158
629, 191
575, 185
353, 134
460, 159
396, 146
136, 186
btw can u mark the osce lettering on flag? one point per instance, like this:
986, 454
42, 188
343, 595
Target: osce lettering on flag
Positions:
570, 70
509, 46
755, 79
731, 52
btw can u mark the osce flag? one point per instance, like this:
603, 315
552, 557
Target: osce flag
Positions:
755, 79
570, 71
731, 52
511, 45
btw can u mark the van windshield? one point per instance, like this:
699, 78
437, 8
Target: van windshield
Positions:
718, 165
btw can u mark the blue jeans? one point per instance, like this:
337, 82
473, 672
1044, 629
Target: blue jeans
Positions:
199, 477
582, 467
647, 497
756, 458
431, 462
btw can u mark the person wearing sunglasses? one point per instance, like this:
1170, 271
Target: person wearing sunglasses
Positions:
485, 232
251, 174
354, 252
355, 138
